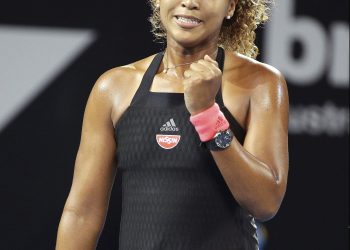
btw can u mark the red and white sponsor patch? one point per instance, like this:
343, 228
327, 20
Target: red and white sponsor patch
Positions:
168, 141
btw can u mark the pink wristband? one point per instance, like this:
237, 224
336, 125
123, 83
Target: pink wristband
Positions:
209, 122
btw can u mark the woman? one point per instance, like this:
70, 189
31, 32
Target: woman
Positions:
202, 144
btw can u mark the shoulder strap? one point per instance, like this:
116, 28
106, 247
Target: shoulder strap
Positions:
147, 79
238, 130
220, 58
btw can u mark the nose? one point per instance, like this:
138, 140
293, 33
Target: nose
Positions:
190, 4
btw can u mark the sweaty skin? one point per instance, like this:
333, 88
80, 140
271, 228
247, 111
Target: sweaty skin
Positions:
254, 93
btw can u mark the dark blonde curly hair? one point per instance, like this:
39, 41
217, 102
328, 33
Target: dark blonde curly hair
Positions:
237, 34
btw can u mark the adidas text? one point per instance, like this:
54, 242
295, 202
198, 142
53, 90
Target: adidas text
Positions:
169, 129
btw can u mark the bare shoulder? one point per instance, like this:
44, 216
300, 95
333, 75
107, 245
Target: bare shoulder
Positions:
118, 85
121, 78
259, 79
253, 71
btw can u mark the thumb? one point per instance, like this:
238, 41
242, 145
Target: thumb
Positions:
209, 59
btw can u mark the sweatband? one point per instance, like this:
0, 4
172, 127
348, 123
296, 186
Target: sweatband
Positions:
208, 122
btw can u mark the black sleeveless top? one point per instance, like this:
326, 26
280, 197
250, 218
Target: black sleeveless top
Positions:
173, 194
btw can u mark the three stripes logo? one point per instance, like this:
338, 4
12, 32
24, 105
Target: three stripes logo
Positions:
169, 126
168, 141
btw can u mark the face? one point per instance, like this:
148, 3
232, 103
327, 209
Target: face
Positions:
193, 22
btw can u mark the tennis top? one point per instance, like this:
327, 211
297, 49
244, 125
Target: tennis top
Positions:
173, 194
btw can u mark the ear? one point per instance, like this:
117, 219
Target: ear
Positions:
231, 7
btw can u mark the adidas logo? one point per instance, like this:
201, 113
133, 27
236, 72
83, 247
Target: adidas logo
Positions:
167, 141
169, 126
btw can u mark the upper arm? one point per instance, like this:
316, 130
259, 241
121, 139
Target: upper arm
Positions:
267, 128
95, 166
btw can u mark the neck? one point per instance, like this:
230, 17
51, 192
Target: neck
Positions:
178, 59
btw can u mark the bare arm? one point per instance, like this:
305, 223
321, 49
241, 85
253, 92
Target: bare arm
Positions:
256, 172
95, 168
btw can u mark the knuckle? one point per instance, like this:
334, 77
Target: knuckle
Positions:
218, 73
196, 79
208, 77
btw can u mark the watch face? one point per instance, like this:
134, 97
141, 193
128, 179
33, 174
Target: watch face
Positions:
223, 139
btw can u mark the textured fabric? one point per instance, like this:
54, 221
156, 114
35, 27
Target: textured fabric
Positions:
173, 194
209, 122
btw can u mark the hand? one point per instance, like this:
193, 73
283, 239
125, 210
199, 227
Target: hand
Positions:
201, 84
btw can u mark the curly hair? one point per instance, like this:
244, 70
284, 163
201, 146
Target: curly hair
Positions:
237, 34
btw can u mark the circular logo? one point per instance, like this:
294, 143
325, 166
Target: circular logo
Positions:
168, 141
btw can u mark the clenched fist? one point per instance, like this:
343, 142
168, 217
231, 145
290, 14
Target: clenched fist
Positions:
201, 84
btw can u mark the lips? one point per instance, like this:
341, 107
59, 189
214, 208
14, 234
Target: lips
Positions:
187, 21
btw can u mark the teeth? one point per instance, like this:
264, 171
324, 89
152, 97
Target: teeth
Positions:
188, 20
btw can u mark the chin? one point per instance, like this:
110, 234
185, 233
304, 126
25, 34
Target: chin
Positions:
186, 39
188, 43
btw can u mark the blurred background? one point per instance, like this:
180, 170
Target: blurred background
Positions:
51, 53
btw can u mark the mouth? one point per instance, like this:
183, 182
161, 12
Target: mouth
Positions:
187, 21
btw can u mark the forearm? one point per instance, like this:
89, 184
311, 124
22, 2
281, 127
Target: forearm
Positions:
253, 184
78, 231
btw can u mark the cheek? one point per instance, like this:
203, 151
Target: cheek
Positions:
215, 18
215, 12
165, 12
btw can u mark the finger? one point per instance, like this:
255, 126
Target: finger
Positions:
192, 76
209, 59
199, 67
213, 63
187, 74
209, 66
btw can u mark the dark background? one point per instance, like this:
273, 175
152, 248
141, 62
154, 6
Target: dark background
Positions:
38, 146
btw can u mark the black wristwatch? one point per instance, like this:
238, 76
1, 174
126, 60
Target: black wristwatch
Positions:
221, 140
